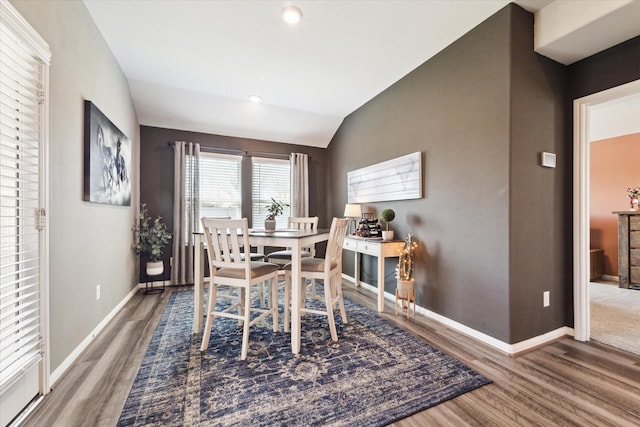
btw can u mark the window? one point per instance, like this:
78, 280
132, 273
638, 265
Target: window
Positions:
220, 185
270, 179
23, 133
221, 188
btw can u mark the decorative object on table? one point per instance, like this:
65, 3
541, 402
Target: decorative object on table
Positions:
353, 211
387, 216
395, 179
634, 198
274, 208
107, 160
368, 227
150, 236
405, 289
380, 373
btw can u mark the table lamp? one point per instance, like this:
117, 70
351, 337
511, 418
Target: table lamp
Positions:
353, 211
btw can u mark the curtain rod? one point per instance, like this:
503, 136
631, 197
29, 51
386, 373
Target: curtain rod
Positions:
239, 152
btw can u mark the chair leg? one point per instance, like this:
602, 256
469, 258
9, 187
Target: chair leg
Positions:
247, 318
338, 287
329, 302
241, 305
273, 301
211, 304
287, 301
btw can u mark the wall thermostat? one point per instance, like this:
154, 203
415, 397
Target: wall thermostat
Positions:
548, 160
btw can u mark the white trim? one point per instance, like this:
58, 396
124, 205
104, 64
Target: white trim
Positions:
62, 368
45, 320
510, 349
581, 106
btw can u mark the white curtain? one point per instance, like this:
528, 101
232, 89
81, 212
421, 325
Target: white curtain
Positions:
299, 184
186, 209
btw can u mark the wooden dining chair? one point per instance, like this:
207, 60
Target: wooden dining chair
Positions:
230, 266
329, 269
283, 257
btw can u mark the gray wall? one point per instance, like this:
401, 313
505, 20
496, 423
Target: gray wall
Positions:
491, 225
89, 243
156, 170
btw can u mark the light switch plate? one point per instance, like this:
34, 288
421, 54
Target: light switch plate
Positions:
548, 160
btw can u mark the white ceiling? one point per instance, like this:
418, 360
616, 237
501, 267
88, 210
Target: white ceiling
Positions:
192, 65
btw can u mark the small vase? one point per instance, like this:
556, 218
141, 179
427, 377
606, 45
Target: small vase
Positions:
634, 204
270, 224
155, 268
387, 235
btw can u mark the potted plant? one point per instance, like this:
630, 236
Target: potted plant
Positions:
404, 270
150, 236
274, 208
387, 216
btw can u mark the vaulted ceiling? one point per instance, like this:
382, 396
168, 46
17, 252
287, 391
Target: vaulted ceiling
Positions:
192, 65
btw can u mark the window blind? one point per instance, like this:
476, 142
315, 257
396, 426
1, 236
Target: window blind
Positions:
270, 179
220, 185
21, 74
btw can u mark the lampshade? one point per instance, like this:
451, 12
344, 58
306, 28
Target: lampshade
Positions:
352, 210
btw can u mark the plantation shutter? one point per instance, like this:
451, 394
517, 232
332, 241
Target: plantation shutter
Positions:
270, 178
23, 74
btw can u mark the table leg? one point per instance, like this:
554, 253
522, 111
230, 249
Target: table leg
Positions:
295, 298
198, 283
356, 267
380, 283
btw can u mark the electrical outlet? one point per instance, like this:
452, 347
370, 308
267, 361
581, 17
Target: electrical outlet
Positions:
545, 299
97, 292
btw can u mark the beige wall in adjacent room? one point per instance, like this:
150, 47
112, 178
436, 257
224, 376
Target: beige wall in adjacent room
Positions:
614, 168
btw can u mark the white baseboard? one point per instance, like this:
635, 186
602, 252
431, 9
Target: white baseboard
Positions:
66, 363
510, 349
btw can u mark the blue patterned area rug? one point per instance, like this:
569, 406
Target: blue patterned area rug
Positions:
375, 374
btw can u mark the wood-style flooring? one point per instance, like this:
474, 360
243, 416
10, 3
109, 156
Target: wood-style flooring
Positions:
567, 383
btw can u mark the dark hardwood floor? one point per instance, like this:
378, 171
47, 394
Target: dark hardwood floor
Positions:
565, 383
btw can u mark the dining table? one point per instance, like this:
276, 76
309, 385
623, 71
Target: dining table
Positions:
293, 239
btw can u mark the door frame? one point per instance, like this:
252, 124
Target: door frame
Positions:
581, 185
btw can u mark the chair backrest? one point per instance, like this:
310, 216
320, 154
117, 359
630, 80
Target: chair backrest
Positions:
336, 239
227, 240
305, 223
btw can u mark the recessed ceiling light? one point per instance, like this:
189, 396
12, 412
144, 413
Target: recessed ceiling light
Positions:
291, 14
255, 99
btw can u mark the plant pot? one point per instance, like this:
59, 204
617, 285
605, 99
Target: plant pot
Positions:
269, 224
406, 288
155, 268
387, 235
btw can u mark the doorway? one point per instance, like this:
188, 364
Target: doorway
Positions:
581, 152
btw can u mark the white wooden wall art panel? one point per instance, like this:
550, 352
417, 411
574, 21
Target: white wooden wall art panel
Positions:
395, 179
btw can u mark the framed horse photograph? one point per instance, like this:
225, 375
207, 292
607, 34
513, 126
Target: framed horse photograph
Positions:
107, 160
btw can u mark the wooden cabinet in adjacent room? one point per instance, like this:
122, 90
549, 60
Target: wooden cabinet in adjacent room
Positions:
629, 249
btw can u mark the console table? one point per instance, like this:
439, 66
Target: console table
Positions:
629, 249
377, 248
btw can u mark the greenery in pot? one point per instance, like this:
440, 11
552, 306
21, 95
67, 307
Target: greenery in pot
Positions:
275, 208
150, 236
387, 216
